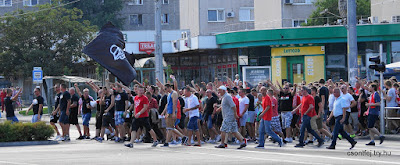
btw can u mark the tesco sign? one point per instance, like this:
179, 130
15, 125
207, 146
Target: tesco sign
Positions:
147, 47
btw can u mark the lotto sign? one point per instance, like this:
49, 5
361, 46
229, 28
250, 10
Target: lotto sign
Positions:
37, 75
147, 47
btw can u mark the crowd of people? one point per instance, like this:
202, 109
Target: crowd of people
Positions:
214, 112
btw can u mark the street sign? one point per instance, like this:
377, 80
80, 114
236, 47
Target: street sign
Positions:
37, 75
147, 47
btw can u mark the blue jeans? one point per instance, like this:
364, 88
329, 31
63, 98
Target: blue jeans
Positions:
306, 125
192, 125
339, 129
35, 119
86, 118
265, 127
13, 119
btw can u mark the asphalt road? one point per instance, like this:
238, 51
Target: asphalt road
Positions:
92, 152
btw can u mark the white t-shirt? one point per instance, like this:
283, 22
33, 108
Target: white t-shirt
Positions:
243, 101
192, 101
348, 98
331, 100
392, 93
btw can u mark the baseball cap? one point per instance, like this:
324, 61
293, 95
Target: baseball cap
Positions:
222, 87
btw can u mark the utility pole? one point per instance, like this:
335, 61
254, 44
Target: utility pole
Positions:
352, 50
158, 41
382, 110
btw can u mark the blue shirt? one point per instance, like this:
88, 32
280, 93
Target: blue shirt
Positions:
338, 106
377, 99
170, 104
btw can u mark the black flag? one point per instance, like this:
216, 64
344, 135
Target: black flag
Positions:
107, 50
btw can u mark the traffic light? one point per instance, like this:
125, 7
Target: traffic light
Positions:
378, 66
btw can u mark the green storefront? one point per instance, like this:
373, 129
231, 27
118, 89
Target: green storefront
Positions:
311, 53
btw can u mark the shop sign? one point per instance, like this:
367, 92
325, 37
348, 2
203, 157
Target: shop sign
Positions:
255, 74
298, 51
147, 47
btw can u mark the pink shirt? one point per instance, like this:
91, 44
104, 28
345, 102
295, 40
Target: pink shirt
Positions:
274, 103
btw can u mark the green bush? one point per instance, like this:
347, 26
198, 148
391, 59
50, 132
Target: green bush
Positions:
25, 131
45, 111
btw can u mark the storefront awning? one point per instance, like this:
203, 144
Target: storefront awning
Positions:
141, 62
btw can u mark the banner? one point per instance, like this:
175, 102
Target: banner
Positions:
107, 50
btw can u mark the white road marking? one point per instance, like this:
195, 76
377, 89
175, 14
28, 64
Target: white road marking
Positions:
16, 163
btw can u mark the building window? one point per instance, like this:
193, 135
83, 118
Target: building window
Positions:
5, 2
31, 2
396, 19
165, 19
246, 14
303, 1
298, 22
135, 19
135, 2
216, 15
165, 1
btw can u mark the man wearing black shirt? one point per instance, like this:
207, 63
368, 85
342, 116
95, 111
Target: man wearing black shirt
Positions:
324, 95
285, 107
251, 116
86, 110
8, 102
316, 121
109, 110
73, 117
64, 108
209, 115
37, 106
121, 105
54, 118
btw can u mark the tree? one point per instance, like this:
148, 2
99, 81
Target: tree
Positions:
318, 18
50, 37
99, 12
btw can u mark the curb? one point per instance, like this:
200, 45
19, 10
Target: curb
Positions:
28, 143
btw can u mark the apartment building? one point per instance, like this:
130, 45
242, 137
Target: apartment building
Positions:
386, 11
271, 14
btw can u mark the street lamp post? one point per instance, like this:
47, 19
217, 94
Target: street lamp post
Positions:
158, 41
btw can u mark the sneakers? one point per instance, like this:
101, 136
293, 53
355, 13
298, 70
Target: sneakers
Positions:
197, 145
299, 145
165, 145
100, 139
289, 140
259, 146
130, 145
211, 141
57, 137
330, 147
218, 138
353, 144
80, 138
371, 143
353, 136
87, 137
61, 138
381, 138
242, 145
310, 142
220, 146
340, 137
320, 143
66, 139
154, 144
174, 142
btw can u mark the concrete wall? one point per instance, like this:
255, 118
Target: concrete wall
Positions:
147, 11
189, 16
230, 24
271, 14
384, 9
268, 14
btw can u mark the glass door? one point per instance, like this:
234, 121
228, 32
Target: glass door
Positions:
295, 69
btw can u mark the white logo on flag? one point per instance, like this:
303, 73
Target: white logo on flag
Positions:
117, 52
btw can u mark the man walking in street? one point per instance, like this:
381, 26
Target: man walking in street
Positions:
54, 117
307, 112
373, 115
8, 103
340, 107
65, 103
121, 105
193, 105
74, 112
37, 106
229, 124
86, 110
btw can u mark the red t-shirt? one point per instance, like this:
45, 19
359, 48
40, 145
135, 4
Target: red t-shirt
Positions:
178, 113
274, 104
305, 104
139, 104
266, 101
236, 101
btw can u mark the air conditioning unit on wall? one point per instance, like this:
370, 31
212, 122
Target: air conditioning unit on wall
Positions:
230, 15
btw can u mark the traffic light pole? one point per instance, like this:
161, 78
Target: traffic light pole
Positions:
352, 50
382, 111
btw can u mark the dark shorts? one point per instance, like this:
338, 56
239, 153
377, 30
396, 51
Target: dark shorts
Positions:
73, 119
99, 121
108, 120
64, 119
362, 120
219, 119
295, 120
371, 120
54, 118
346, 120
140, 122
193, 125
181, 123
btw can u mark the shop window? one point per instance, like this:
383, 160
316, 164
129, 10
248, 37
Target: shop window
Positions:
396, 51
336, 67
